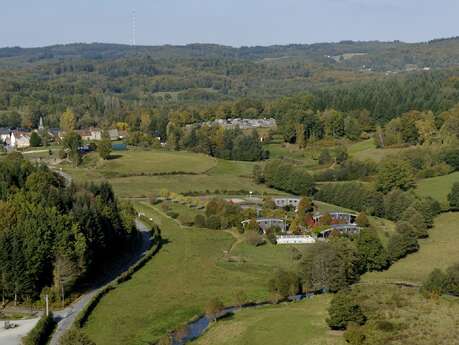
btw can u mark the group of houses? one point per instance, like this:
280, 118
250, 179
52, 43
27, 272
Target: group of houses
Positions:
238, 123
341, 222
19, 138
11, 139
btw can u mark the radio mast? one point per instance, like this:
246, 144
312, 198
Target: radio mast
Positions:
133, 28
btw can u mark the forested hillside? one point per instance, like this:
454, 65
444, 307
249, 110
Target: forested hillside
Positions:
107, 83
53, 236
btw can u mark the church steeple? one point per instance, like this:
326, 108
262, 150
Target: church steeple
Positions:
40, 126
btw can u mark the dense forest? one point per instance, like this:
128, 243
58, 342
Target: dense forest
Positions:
53, 236
106, 84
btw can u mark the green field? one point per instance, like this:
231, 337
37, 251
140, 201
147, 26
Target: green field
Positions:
440, 250
437, 187
177, 283
130, 173
295, 324
366, 150
137, 162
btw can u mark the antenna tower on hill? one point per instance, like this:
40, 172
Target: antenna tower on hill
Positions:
133, 27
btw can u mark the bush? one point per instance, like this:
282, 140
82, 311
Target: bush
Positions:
200, 221
344, 310
417, 221
75, 337
254, 238
451, 157
362, 220
214, 222
354, 334
284, 284
40, 334
270, 234
172, 214
402, 244
396, 202
436, 282
214, 307
453, 197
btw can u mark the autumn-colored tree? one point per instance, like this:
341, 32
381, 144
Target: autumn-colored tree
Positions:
68, 121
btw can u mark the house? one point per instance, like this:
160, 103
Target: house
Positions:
268, 223
19, 140
295, 239
4, 134
284, 202
95, 135
113, 134
85, 134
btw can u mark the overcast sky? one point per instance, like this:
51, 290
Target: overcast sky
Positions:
231, 22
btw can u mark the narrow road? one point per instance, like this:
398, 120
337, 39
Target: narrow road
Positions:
65, 317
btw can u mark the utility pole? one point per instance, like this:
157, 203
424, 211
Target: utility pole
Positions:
47, 305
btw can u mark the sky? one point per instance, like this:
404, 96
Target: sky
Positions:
32, 23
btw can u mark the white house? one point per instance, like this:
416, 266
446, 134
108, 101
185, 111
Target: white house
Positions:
295, 239
19, 141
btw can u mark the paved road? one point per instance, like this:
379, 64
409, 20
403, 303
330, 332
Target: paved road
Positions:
66, 316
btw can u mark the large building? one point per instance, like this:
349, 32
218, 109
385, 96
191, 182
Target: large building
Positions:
268, 223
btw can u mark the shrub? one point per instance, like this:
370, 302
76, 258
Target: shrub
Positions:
453, 197
396, 202
451, 157
417, 221
400, 245
172, 214
354, 334
214, 222
344, 310
254, 238
284, 284
385, 326
270, 234
452, 274
200, 221
429, 208
40, 334
362, 220
75, 337
325, 157
436, 282
213, 307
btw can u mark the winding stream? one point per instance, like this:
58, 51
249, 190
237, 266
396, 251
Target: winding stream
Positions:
196, 328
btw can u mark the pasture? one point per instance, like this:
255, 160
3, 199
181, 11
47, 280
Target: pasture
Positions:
440, 250
138, 173
176, 284
294, 324
437, 187
366, 150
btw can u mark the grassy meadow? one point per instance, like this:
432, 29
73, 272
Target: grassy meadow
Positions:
294, 324
193, 267
132, 173
437, 187
440, 250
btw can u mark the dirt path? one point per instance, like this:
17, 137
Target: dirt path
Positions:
66, 316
